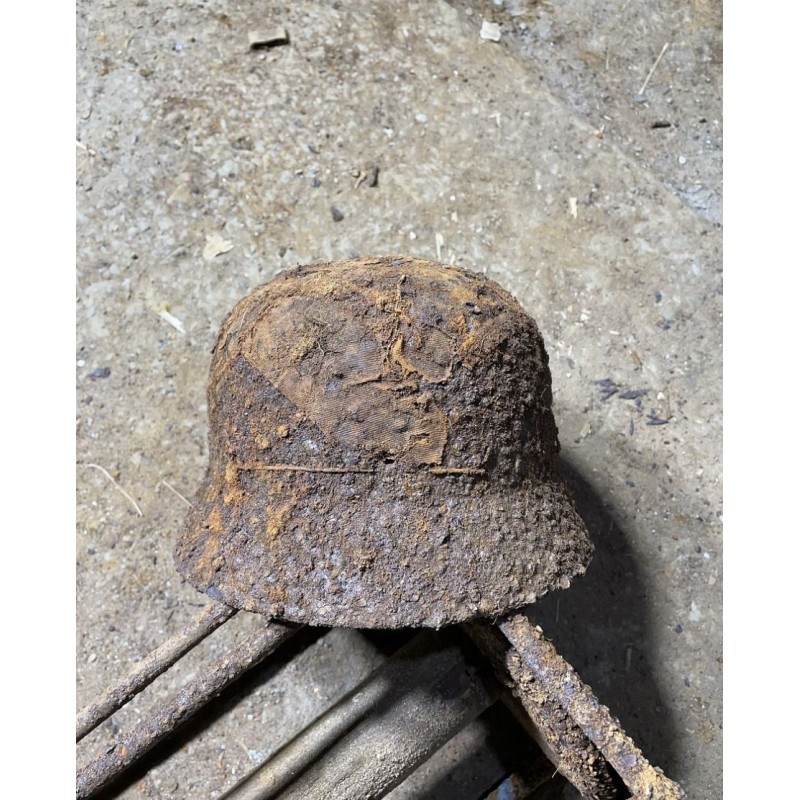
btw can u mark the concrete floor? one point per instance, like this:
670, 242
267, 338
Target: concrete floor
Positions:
534, 159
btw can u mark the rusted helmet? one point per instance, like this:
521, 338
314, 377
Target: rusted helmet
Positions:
382, 452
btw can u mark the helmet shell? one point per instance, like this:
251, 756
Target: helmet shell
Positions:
382, 452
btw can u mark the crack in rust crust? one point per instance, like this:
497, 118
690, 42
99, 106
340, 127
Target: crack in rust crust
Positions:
383, 452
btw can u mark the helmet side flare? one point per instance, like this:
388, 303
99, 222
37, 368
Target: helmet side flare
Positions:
383, 452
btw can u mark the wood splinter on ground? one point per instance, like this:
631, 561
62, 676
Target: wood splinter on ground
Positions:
264, 39
653, 68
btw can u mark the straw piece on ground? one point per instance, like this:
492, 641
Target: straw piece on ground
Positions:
118, 487
175, 492
653, 68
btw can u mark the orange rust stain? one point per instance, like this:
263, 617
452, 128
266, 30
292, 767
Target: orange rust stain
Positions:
233, 489
336, 346
277, 516
277, 595
209, 561
214, 520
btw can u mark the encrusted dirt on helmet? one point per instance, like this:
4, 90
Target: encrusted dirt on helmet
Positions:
383, 452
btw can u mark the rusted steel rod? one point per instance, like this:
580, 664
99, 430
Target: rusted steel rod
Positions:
149, 732
380, 732
553, 729
560, 681
150, 667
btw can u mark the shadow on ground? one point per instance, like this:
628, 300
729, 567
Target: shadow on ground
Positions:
601, 626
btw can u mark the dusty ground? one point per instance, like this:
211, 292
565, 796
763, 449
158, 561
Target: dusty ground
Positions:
535, 159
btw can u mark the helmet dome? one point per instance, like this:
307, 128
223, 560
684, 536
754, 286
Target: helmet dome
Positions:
382, 452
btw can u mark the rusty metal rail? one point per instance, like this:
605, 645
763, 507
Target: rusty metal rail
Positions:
561, 683
402, 713
551, 727
150, 667
149, 732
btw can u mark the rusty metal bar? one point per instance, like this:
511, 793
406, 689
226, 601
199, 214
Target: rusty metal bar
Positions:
560, 681
150, 667
550, 726
149, 732
380, 732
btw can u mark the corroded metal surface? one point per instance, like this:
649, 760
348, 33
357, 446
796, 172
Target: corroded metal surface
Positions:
383, 452
99, 773
559, 681
554, 730
150, 667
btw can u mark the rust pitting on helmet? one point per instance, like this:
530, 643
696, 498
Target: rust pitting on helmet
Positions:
383, 452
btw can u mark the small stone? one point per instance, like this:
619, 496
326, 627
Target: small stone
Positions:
242, 143
490, 31
678, 628
681, 160
214, 593
99, 373
337, 215
372, 177
228, 169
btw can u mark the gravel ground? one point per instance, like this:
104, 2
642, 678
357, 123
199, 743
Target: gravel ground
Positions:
204, 168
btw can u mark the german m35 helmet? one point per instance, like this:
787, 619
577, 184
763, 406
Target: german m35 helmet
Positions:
383, 452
